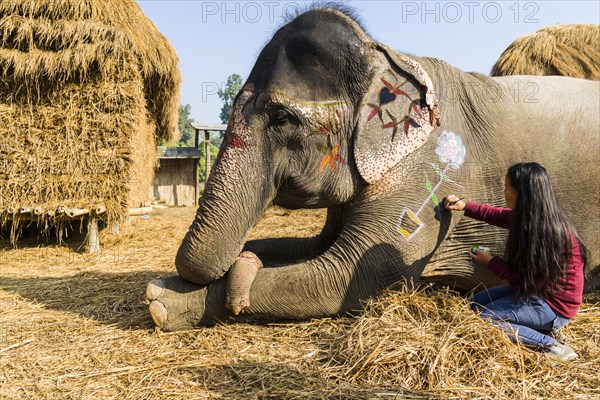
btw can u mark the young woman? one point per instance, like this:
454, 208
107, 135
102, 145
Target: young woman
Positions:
544, 262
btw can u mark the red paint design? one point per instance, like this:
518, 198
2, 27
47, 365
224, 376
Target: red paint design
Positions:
395, 89
376, 111
234, 140
406, 120
388, 94
230, 139
324, 129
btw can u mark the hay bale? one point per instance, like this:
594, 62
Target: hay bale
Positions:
568, 50
87, 89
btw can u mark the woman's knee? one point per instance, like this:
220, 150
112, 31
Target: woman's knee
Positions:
496, 314
487, 296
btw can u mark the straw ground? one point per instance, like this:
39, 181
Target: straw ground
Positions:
74, 326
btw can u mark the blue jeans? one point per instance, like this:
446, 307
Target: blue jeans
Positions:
523, 317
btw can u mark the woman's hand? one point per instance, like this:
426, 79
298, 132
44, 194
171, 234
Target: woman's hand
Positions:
480, 257
452, 202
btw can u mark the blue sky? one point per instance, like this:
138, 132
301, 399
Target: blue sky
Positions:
215, 39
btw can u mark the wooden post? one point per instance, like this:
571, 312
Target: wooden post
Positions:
93, 239
195, 161
115, 228
196, 169
207, 154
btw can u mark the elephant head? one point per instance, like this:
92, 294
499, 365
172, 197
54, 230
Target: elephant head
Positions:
324, 113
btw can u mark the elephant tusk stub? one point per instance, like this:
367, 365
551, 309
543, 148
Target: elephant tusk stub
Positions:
239, 281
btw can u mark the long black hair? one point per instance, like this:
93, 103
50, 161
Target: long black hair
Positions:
540, 235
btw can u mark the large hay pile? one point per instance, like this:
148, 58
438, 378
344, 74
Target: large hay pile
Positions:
74, 326
87, 88
568, 50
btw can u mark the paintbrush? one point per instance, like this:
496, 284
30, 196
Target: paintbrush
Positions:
454, 202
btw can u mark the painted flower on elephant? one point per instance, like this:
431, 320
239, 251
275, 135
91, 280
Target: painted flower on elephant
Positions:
450, 149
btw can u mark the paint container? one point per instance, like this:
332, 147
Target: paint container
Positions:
480, 248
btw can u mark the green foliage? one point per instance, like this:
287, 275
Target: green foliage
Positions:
187, 132
215, 145
232, 87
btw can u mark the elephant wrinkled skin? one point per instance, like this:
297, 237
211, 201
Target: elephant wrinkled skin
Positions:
331, 119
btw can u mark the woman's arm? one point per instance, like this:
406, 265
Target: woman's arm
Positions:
496, 216
495, 264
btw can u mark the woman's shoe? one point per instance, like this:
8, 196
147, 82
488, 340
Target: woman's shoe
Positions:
561, 352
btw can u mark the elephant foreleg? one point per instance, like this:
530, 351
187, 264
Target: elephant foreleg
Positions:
291, 292
335, 283
239, 280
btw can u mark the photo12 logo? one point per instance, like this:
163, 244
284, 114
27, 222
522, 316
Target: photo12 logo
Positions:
469, 11
488, 91
248, 11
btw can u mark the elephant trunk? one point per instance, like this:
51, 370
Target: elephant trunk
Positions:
230, 206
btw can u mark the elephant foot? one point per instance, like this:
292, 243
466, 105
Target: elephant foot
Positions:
175, 304
240, 278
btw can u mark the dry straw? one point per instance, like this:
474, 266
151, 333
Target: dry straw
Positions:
74, 326
433, 342
569, 50
88, 87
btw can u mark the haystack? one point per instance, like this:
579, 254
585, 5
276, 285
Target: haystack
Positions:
87, 89
568, 50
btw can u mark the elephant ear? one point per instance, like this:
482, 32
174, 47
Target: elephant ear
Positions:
397, 114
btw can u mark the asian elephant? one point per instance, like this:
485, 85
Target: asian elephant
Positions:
329, 118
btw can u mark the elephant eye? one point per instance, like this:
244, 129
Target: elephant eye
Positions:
280, 117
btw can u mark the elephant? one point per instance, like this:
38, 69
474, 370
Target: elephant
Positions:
329, 118
566, 50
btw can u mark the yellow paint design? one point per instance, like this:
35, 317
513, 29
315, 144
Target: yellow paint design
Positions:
409, 224
403, 232
281, 96
414, 218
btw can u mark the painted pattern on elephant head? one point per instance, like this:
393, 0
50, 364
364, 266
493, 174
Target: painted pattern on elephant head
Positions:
324, 122
402, 97
323, 126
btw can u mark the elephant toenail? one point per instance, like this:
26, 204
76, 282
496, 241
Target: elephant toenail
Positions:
154, 289
158, 312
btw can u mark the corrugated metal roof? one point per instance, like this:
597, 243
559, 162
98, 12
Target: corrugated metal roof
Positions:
205, 127
178, 152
